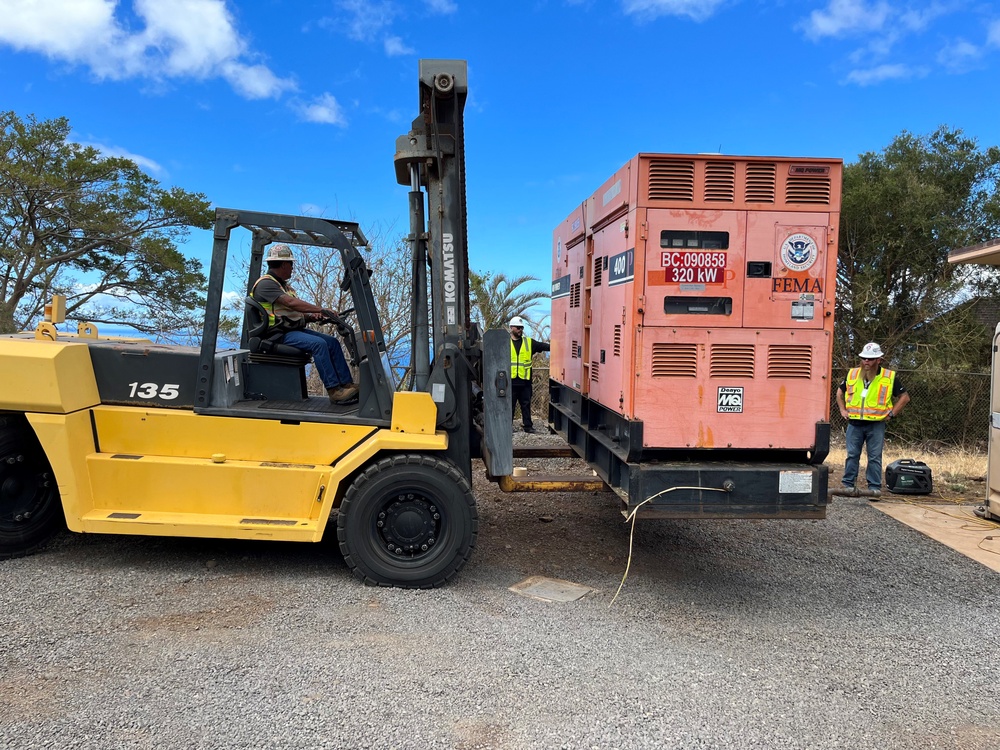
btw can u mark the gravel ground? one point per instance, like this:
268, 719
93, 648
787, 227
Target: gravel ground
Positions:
853, 632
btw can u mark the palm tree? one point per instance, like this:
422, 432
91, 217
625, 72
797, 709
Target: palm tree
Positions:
495, 299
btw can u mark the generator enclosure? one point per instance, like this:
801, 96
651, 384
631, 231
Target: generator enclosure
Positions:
692, 322
909, 477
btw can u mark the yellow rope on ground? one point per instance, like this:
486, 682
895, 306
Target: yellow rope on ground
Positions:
631, 533
977, 523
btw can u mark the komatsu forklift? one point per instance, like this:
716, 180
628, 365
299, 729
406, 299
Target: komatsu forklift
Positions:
124, 436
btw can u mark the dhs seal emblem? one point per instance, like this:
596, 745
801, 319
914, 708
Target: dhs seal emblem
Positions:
799, 252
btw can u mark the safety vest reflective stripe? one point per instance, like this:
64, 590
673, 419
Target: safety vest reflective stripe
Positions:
520, 362
877, 403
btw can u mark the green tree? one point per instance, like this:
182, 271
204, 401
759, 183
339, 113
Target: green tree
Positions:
95, 228
903, 210
495, 299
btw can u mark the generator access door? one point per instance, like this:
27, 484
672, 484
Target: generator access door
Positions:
789, 271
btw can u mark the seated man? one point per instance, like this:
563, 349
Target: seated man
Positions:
289, 314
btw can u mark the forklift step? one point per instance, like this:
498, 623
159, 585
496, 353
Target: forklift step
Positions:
156, 523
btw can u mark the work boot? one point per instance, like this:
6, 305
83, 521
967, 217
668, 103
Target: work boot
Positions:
341, 394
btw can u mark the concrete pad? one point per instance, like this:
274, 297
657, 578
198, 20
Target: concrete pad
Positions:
955, 526
550, 589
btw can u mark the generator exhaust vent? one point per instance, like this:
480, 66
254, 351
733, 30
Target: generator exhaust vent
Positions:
675, 360
671, 180
731, 361
720, 181
789, 361
760, 182
812, 190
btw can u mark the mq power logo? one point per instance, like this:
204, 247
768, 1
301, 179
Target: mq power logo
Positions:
730, 400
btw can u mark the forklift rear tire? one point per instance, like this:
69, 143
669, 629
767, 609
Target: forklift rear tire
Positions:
410, 521
30, 510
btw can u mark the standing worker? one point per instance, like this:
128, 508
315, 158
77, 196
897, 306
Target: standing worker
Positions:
522, 348
868, 398
289, 314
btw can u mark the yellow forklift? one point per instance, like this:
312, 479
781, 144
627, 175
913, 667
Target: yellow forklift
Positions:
124, 436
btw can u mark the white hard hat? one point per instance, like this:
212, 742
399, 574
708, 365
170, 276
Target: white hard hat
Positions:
517, 320
279, 253
871, 350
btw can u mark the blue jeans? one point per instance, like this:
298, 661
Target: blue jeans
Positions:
326, 352
872, 434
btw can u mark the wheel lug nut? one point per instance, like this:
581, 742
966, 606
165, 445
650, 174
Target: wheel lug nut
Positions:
380, 524
423, 547
437, 516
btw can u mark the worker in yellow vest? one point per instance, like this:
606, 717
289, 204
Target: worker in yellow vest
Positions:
868, 398
522, 349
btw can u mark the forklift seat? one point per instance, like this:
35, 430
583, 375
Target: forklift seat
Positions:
259, 341
269, 373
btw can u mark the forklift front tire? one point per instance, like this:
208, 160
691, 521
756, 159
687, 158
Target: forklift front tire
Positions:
409, 520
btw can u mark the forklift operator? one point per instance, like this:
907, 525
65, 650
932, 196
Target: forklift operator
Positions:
287, 313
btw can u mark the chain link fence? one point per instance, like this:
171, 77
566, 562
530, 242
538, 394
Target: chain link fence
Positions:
946, 409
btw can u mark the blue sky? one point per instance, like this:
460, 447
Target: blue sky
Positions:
294, 106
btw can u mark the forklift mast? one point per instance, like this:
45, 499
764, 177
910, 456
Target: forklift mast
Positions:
431, 160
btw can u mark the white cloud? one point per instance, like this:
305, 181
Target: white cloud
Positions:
255, 81
959, 56
178, 39
993, 35
846, 17
697, 10
323, 109
147, 164
395, 47
56, 29
444, 7
881, 73
366, 19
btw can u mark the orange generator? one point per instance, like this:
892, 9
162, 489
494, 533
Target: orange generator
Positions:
692, 334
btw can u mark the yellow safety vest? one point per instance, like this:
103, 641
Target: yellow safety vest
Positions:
877, 403
520, 362
279, 315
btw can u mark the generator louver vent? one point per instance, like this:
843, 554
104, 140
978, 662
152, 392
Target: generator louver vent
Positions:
598, 270
574, 295
814, 190
573, 349
720, 181
618, 341
675, 360
760, 183
789, 361
671, 180
595, 372
731, 361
